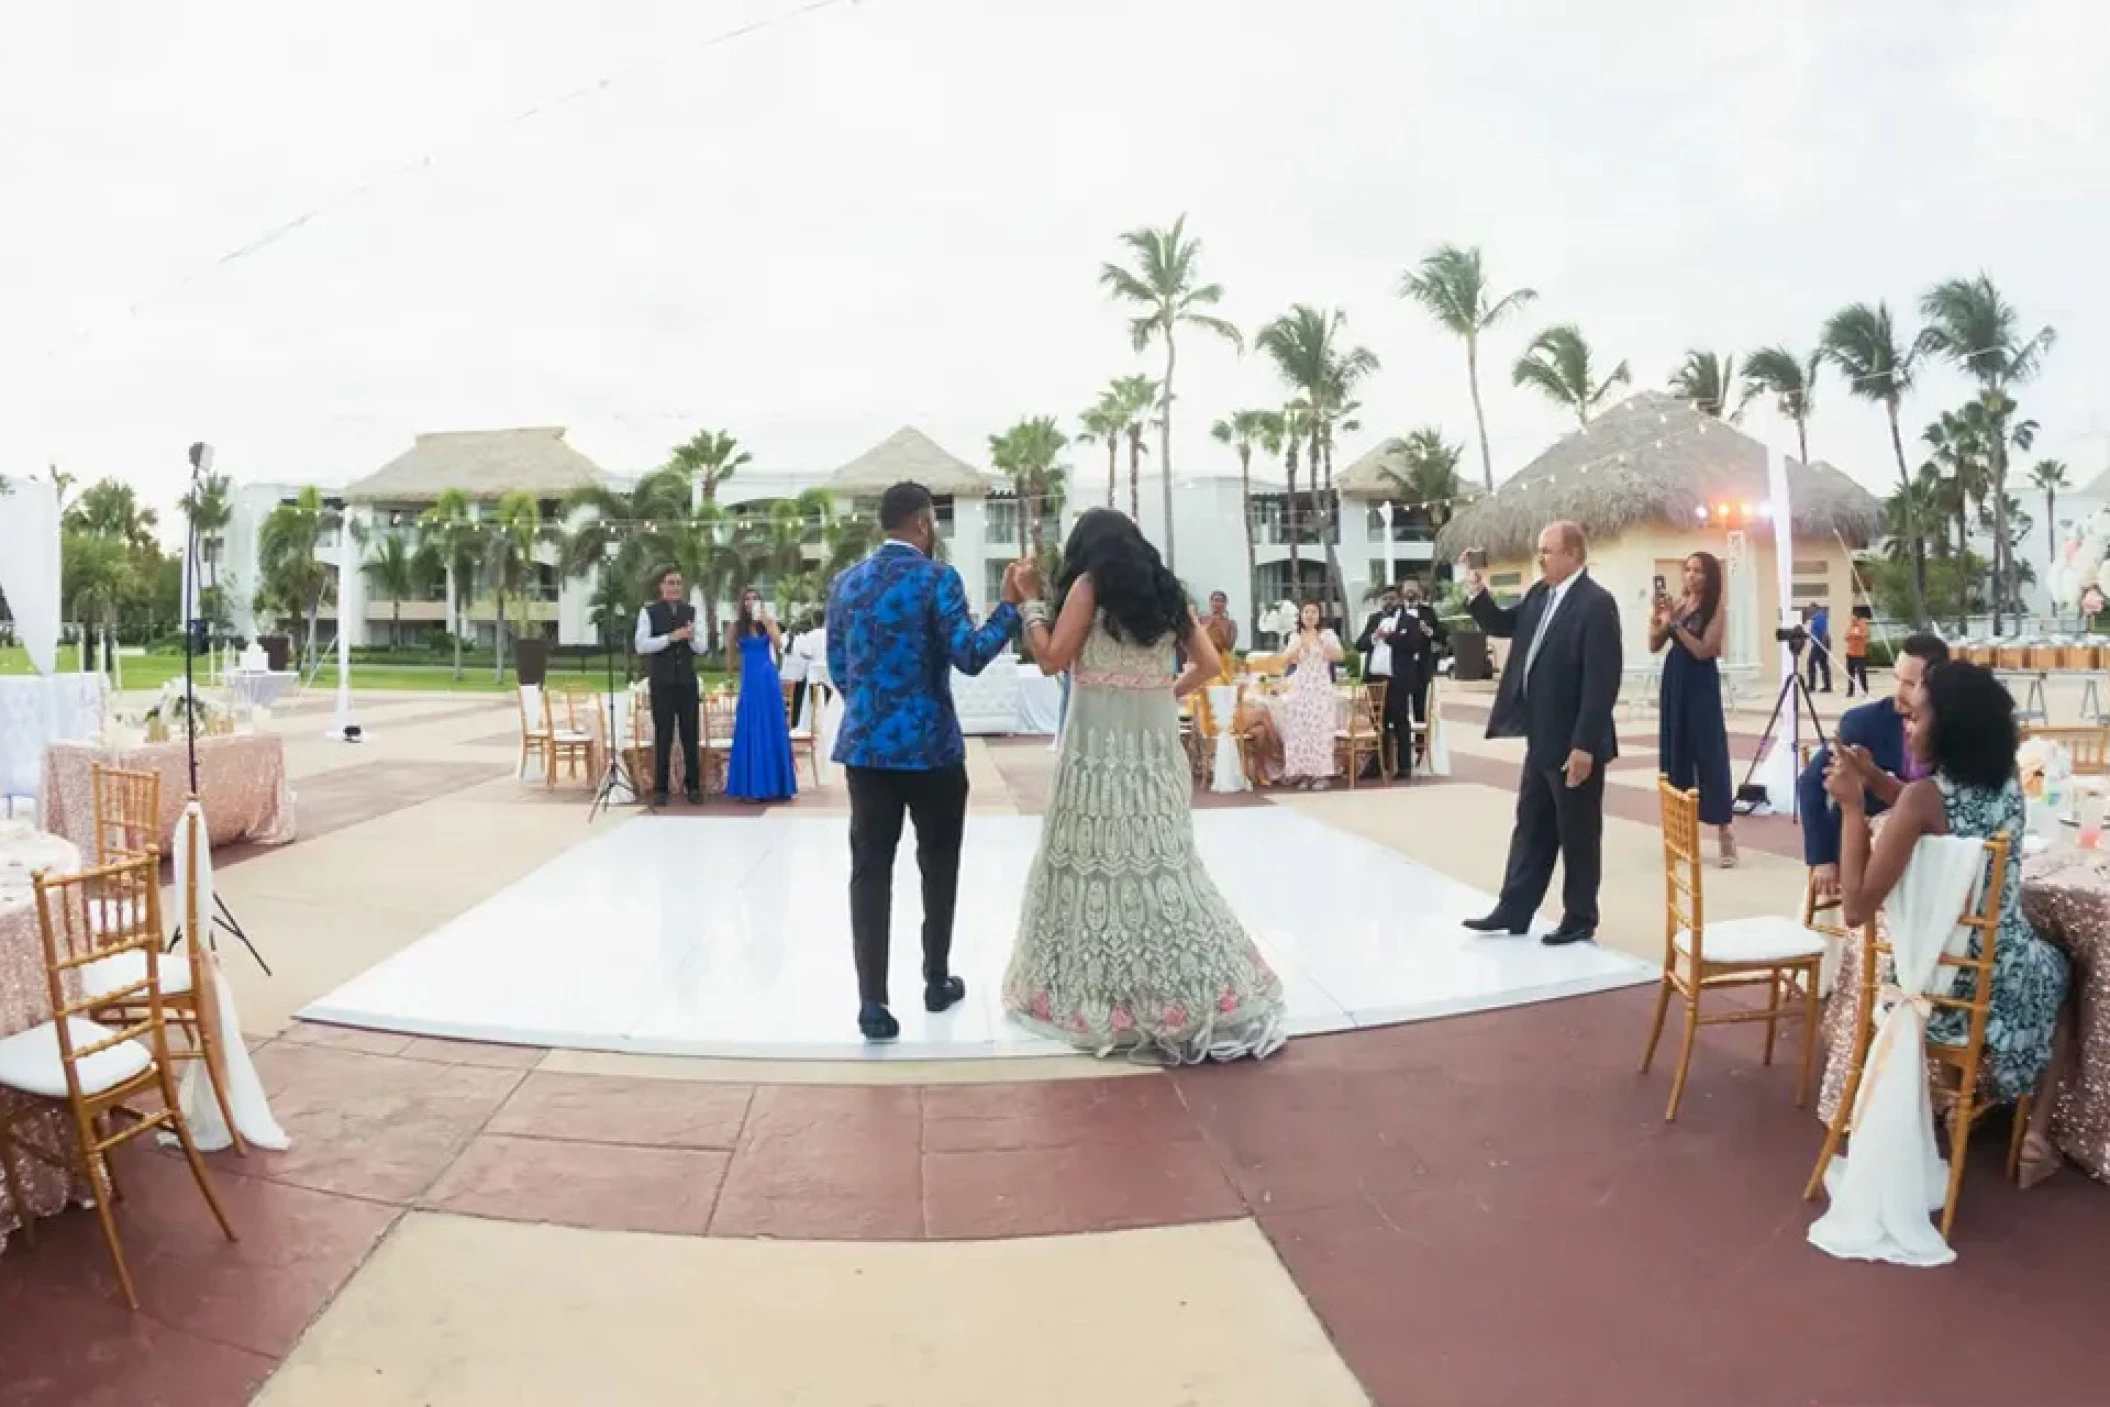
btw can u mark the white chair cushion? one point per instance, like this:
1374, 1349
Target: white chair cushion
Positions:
1766, 939
566, 735
29, 1060
127, 969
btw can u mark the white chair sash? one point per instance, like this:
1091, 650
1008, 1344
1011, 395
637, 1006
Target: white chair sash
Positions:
1882, 1193
1439, 741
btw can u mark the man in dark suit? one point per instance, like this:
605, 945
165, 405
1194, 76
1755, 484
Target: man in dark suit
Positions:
1558, 688
1398, 644
666, 637
1875, 734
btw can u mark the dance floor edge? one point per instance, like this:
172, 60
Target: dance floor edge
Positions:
730, 938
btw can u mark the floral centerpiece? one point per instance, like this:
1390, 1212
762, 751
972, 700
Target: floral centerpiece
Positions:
180, 710
2081, 576
1280, 619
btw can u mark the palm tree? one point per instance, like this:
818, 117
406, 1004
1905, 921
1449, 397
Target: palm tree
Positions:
110, 508
1128, 400
1912, 514
641, 527
1242, 430
395, 570
707, 459
509, 563
1862, 342
1290, 423
1971, 323
287, 545
209, 506
1104, 422
1427, 477
1959, 461
1775, 371
2049, 476
449, 531
1558, 363
1165, 284
97, 572
1305, 345
1029, 452
1708, 380
707, 546
1452, 284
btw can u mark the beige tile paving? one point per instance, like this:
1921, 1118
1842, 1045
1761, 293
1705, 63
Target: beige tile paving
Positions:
453, 1312
841, 1072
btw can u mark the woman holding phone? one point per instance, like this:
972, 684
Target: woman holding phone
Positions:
1694, 742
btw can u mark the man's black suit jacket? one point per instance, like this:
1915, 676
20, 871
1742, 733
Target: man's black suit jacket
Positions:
1574, 681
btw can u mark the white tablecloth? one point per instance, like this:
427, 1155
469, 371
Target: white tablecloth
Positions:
1002, 699
37, 710
258, 688
1039, 703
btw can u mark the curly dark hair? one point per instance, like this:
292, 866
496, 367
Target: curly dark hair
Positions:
1971, 734
1143, 601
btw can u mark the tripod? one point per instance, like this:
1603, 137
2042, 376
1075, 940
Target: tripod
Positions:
615, 775
1794, 697
223, 919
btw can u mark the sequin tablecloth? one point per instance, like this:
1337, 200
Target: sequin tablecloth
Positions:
241, 779
2066, 898
25, 1000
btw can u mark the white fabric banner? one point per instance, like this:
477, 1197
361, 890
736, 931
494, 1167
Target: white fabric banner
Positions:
1882, 1194
1777, 773
29, 566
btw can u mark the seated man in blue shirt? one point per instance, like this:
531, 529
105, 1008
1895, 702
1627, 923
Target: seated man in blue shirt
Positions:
1878, 729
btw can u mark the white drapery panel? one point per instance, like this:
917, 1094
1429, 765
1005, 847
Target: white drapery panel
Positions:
37, 710
29, 566
1882, 1193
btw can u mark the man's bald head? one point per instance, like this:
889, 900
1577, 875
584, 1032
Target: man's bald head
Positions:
1562, 551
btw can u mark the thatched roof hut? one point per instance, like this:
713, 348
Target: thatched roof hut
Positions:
484, 464
1375, 474
909, 454
1652, 460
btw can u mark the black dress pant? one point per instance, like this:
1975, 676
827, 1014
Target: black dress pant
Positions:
1555, 819
1856, 673
674, 712
1820, 661
936, 801
1406, 699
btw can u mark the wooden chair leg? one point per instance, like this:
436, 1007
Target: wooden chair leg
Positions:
1959, 1142
214, 1054
196, 1160
2024, 1107
1655, 1027
1692, 1029
95, 1171
1810, 1021
1772, 1015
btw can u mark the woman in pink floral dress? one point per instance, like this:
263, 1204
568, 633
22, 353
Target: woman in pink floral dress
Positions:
1310, 715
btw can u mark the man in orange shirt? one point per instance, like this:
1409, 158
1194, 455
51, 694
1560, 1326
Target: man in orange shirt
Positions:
1857, 653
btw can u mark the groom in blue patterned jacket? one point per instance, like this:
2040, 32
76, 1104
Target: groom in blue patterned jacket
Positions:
898, 625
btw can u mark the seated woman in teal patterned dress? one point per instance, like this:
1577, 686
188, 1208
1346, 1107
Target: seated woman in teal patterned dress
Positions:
1124, 943
1962, 729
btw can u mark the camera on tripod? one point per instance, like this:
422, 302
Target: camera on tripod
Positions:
1792, 636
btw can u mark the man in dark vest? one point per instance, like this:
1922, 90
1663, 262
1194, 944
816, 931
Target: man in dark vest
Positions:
666, 637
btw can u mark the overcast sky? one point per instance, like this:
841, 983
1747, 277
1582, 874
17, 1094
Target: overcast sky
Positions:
893, 211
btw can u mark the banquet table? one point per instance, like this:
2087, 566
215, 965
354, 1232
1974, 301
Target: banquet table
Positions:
2066, 898
258, 688
241, 780
25, 1000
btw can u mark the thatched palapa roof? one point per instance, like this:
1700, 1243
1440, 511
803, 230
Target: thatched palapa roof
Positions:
909, 454
484, 464
1378, 474
1652, 459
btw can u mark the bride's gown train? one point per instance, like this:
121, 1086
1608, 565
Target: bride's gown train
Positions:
1124, 944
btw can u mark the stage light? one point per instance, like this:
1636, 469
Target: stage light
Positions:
1700, 512
1722, 511
1747, 510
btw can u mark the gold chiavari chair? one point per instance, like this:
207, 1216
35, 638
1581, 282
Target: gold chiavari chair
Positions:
566, 744
2087, 745
190, 994
1777, 953
127, 813
718, 715
95, 1072
1980, 928
1362, 734
804, 741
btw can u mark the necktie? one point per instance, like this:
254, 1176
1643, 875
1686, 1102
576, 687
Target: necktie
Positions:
1538, 637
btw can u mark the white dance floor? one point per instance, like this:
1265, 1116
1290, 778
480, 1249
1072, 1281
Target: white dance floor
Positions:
691, 936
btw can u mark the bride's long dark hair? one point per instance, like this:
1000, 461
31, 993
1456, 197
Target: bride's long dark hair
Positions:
1143, 601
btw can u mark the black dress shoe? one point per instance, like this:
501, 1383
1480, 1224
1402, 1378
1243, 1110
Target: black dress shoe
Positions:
937, 996
877, 1023
695, 797
1570, 933
659, 799
1499, 922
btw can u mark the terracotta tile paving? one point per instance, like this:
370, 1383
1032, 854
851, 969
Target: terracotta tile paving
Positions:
1487, 1209
347, 796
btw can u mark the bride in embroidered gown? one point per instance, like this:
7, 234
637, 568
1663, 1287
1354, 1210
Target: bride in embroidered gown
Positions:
1124, 943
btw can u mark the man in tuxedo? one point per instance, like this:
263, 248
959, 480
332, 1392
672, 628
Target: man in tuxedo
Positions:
1558, 687
666, 637
1398, 644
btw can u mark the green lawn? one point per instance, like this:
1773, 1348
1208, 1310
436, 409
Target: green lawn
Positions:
147, 672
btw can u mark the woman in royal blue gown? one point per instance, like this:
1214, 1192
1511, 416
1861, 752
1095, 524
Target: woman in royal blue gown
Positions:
760, 768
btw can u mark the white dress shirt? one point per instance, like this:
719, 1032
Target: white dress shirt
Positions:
649, 644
